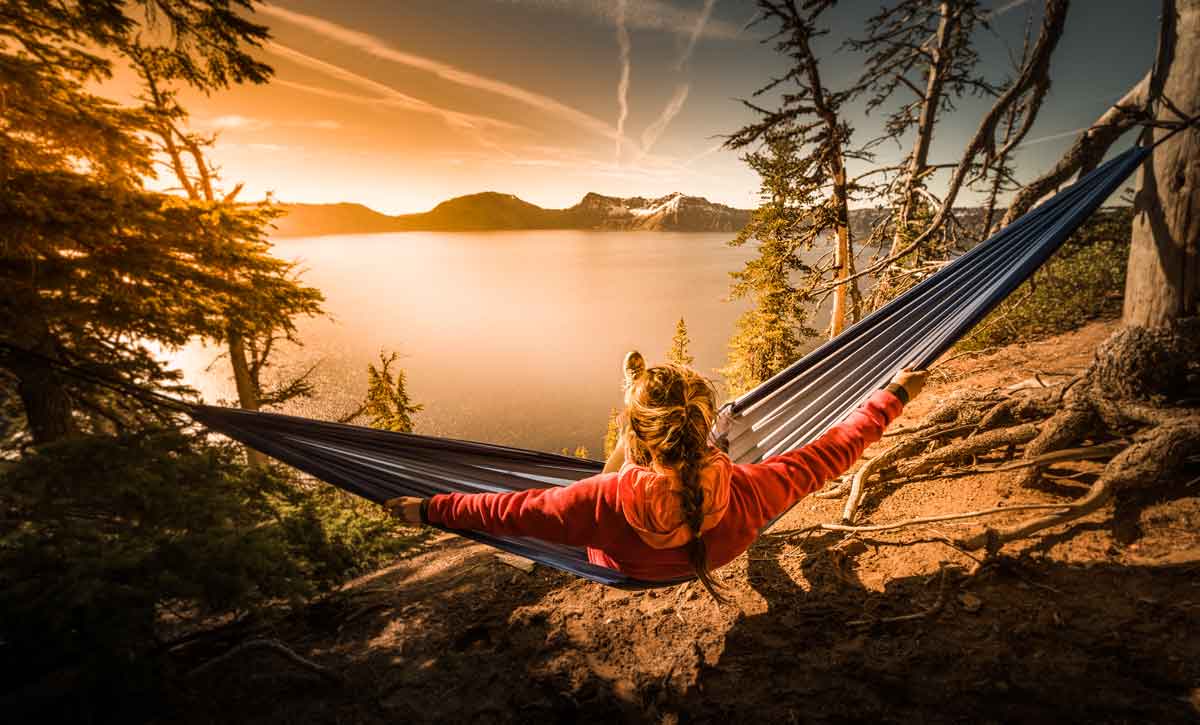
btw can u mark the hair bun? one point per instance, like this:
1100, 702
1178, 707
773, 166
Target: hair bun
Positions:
635, 366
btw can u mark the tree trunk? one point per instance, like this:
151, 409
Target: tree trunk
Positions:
842, 258
919, 159
247, 391
48, 407
1163, 282
49, 410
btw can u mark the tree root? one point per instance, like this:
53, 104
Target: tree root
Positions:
1144, 463
1124, 394
975, 445
928, 611
926, 520
878, 463
1087, 453
837, 491
271, 645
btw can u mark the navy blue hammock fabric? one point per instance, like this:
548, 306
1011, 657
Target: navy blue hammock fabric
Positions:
787, 411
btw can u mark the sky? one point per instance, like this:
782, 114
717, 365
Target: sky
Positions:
402, 104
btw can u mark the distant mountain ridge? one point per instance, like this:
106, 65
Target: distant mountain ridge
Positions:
491, 210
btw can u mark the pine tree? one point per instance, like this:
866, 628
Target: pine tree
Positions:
809, 120
770, 336
613, 433
387, 404
266, 315
93, 265
924, 48
678, 353
98, 273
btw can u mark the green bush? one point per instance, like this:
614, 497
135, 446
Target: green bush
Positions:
107, 544
1083, 281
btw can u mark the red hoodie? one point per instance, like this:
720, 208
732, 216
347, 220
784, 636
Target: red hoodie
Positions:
589, 512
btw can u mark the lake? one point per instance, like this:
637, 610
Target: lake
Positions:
506, 337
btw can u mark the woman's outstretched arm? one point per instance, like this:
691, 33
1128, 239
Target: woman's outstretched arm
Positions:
559, 514
782, 480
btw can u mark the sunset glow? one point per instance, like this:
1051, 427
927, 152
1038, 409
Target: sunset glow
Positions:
402, 105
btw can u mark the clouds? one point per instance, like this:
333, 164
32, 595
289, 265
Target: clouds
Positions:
245, 123
498, 140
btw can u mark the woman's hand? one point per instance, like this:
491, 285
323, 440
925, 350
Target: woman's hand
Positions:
912, 381
405, 508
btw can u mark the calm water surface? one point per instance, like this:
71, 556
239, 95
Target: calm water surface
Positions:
506, 337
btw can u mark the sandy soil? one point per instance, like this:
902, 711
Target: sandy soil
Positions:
1099, 622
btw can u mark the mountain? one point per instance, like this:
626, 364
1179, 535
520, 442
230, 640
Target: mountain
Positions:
494, 211
312, 220
671, 213
482, 212
489, 211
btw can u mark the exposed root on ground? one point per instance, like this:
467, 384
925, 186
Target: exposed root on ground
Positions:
270, 645
1128, 408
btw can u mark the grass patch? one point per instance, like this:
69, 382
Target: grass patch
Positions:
1083, 281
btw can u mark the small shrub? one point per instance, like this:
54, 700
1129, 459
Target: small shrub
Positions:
1083, 281
105, 539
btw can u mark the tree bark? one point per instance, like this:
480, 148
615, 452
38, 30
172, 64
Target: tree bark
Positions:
49, 410
918, 161
840, 193
246, 389
48, 407
842, 259
1163, 281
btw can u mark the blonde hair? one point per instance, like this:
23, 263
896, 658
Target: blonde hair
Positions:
669, 412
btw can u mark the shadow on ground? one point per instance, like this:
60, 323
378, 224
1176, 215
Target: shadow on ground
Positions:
1018, 640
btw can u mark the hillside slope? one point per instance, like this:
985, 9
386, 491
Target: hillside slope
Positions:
1095, 624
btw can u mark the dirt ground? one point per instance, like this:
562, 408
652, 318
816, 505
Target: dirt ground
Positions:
1099, 622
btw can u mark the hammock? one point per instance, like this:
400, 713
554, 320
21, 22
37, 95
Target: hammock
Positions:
787, 411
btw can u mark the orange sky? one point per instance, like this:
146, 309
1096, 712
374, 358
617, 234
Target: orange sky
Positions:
402, 105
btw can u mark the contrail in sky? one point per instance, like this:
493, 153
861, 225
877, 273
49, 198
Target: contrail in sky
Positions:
674, 106
652, 133
1051, 137
388, 95
1011, 5
623, 84
697, 29
378, 48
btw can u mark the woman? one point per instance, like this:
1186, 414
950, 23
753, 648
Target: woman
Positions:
669, 503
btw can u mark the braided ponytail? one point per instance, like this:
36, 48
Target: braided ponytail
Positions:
670, 412
693, 509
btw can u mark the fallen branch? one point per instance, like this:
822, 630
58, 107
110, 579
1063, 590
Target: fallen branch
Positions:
931, 609
836, 492
931, 519
856, 486
271, 645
